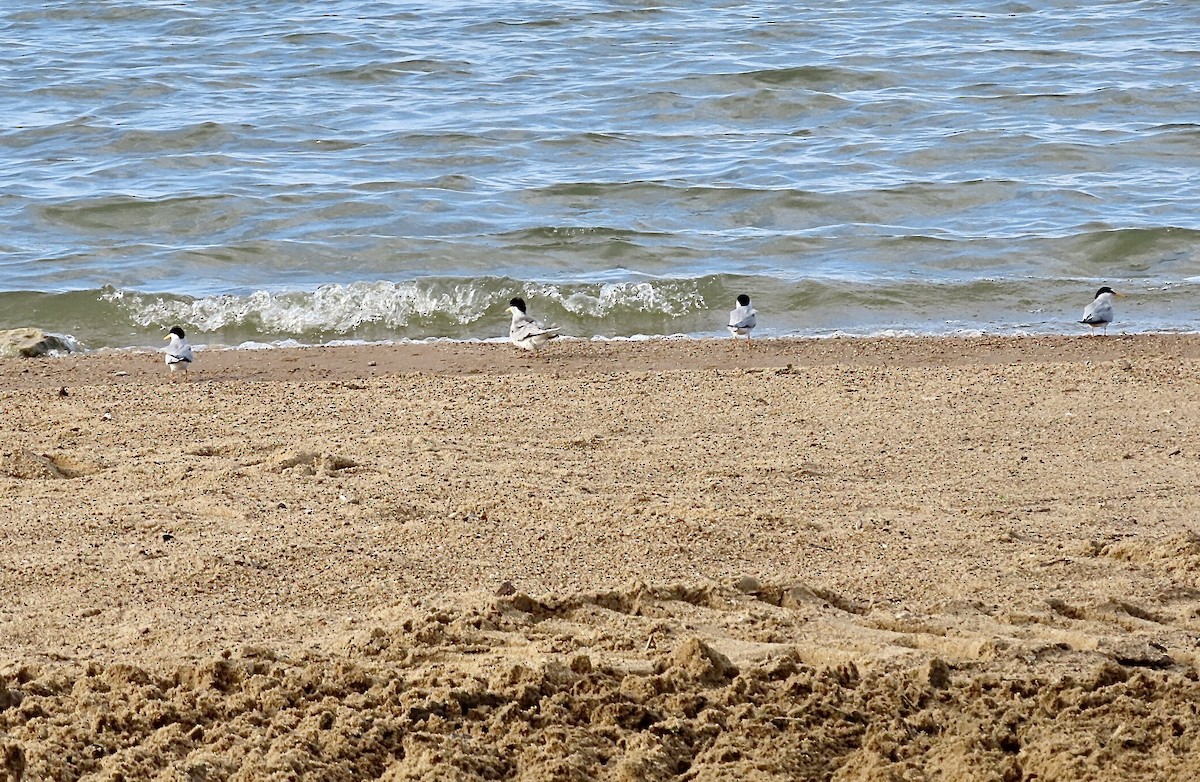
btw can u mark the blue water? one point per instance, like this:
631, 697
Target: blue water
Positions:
384, 170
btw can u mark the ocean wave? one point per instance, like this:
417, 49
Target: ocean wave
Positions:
821, 78
335, 309
464, 308
468, 309
671, 299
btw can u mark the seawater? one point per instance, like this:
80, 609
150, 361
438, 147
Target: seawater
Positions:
347, 170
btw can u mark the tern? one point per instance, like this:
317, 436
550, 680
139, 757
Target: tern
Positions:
179, 352
1099, 313
743, 318
525, 332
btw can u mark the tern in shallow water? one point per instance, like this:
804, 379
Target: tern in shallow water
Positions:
179, 352
1099, 313
525, 332
743, 318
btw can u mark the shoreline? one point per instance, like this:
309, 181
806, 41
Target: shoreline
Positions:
304, 363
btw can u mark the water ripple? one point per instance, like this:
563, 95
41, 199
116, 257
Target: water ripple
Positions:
351, 168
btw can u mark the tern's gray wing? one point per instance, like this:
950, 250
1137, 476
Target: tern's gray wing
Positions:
1097, 313
528, 328
180, 354
743, 318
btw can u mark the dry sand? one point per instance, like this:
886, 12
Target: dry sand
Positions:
827, 559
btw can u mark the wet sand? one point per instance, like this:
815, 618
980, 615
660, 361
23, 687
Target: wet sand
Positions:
800, 559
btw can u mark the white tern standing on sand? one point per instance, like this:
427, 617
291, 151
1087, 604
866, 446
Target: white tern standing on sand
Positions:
525, 332
743, 318
1099, 313
179, 352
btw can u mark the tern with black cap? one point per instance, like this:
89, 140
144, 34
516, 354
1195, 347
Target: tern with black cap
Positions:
1099, 313
179, 352
525, 332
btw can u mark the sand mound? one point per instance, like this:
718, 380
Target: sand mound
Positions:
448, 694
26, 465
1177, 553
29, 466
309, 463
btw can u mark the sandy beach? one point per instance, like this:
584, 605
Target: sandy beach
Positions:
859, 559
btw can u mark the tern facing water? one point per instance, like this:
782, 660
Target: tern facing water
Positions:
524, 331
743, 318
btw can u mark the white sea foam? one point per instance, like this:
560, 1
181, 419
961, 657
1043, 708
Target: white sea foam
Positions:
340, 309
670, 299
331, 308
